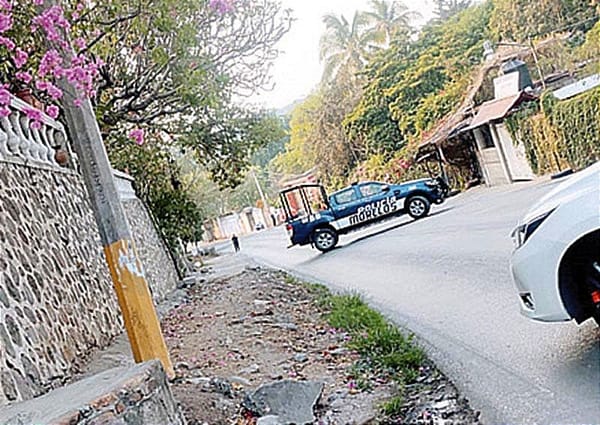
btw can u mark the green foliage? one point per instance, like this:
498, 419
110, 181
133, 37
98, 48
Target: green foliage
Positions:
384, 350
238, 134
393, 407
352, 314
390, 19
518, 20
384, 346
411, 87
344, 44
590, 50
317, 139
577, 122
408, 87
564, 134
178, 216
299, 155
158, 185
171, 68
446, 9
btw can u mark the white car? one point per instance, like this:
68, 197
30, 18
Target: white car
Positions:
556, 263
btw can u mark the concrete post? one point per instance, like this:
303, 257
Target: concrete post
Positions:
139, 315
266, 210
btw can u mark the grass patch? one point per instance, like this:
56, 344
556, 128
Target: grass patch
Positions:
386, 349
393, 407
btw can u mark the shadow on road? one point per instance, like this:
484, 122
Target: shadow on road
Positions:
397, 226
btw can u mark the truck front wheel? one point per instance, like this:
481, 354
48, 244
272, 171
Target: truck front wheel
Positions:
325, 239
418, 206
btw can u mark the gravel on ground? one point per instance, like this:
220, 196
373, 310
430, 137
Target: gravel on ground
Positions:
228, 335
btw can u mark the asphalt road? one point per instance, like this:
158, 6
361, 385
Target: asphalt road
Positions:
446, 279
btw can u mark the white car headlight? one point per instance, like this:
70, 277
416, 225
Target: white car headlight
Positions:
518, 235
524, 231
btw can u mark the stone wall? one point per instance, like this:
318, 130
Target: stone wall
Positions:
136, 395
56, 297
158, 265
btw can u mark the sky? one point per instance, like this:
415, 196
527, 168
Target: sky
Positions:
297, 71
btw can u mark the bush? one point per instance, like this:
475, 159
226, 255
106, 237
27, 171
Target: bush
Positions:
563, 134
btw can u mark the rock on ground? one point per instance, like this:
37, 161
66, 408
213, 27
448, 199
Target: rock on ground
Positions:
292, 402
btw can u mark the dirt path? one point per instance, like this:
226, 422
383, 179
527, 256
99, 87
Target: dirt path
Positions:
233, 334
239, 332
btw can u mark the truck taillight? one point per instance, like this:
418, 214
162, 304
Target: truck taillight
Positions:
289, 228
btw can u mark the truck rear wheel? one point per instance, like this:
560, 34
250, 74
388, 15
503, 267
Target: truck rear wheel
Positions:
325, 239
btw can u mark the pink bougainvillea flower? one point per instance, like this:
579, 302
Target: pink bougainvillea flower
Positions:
41, 85
4, 112
222, 6
52, 111
20, 58
137, 135
7, 42
49, 20
38, 2
78, 102
5, 22
24, 76
49, 63
6, 5
4, 96
54, 92
80, 43
35, 115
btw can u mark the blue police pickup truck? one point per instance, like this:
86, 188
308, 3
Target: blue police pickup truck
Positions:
317, 219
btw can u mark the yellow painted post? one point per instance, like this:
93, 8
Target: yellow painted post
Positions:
133, 293
141, 321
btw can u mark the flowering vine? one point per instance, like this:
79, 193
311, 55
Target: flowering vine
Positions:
49, 24
42, 63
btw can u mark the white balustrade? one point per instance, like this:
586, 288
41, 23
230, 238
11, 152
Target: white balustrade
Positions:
19, 141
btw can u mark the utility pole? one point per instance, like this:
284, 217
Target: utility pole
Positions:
263, 198
537, 62
127, 272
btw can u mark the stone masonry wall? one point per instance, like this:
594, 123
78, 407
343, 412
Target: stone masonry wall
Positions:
136, 395
158, 265
56, 297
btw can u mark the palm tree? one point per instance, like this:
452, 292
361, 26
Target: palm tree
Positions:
344, 44
389, 18
445, 9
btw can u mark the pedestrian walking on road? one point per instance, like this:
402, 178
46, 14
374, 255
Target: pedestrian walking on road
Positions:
236, 243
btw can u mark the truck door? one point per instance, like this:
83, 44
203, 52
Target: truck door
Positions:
346, 202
